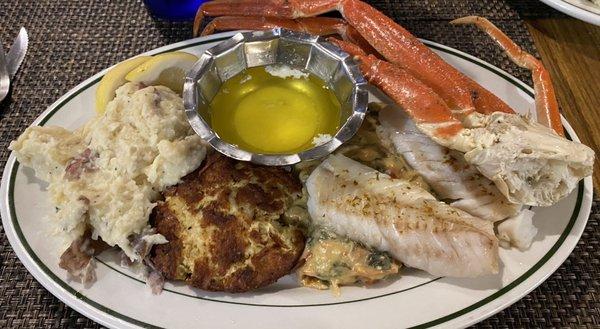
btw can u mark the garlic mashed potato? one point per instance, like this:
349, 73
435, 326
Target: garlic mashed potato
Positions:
106, 176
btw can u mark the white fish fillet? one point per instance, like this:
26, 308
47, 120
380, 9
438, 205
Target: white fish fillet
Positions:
405, 220
518, 231
445, 170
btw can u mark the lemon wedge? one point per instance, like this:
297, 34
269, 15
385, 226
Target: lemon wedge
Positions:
114, 79
165, 69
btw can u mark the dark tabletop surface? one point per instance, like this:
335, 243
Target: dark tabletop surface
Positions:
72, 40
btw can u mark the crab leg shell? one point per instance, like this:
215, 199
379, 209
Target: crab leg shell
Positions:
269, 8
400, 47
312, 25
426, 108
545, 97
486, 102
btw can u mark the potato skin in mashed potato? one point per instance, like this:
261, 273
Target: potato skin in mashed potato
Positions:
225, 229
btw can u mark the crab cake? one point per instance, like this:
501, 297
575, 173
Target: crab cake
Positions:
225, 228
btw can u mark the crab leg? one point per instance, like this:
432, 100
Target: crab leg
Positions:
311, 25
267, 8
545, 98
426, 108
400, 47
391, 40
485, 101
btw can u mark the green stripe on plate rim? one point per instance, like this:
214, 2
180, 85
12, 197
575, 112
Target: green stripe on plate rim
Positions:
441, 320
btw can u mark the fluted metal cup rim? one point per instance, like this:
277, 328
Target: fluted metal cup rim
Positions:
193, 96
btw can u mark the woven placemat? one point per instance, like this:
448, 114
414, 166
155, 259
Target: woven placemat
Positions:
71, 40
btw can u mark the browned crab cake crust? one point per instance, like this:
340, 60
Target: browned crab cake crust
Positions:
223, 226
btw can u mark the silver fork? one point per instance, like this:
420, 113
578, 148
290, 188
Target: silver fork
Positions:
4, 78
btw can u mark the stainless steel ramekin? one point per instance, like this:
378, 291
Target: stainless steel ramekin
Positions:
277, 46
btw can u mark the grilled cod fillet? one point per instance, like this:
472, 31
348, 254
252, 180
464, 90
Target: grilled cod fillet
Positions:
445, 170
401, 218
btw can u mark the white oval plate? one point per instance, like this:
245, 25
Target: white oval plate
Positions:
581, 9
120, 300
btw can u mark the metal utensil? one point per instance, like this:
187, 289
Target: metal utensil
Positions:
4, 77
277, 46
17, 52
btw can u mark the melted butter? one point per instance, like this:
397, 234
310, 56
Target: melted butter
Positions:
265, 113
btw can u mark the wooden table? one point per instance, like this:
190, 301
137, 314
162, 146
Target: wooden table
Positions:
570, 49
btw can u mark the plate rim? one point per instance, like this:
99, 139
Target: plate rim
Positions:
108, 317
574, 11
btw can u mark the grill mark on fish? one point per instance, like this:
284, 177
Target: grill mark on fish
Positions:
405, 220
450, 176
